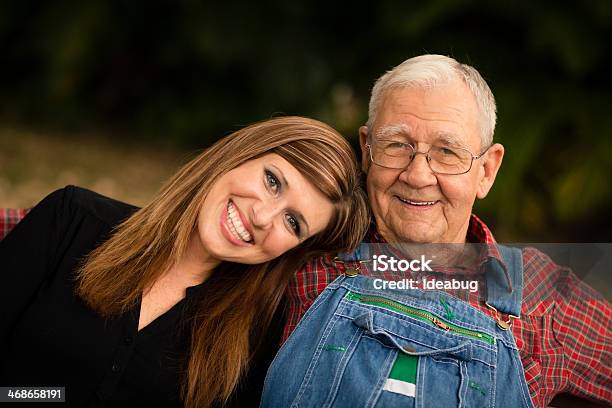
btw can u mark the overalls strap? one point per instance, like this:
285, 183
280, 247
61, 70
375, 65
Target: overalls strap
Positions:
505, 282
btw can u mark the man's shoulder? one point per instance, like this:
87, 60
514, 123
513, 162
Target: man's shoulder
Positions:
546, 283
312, 278
541, 268
321, 265
105, 209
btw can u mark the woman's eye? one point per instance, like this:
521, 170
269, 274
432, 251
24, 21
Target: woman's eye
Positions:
272, 182
293, 224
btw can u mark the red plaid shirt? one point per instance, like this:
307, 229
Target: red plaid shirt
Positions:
563, 334
9, 217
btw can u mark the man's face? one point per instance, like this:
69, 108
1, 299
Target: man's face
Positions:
413, 204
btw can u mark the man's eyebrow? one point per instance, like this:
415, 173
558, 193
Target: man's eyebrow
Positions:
449, 139
393, 130
296, 213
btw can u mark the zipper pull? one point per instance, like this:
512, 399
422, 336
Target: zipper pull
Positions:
440, 324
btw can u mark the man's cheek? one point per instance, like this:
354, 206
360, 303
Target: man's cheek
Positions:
379, 184
381, 201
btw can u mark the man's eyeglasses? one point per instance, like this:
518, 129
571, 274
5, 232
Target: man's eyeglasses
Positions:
394, 154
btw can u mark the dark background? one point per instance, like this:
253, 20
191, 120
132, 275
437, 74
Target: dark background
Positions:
177, 75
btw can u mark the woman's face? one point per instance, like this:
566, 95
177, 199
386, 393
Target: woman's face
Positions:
259, 210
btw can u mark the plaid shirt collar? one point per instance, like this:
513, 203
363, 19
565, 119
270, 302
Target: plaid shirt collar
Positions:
477, 233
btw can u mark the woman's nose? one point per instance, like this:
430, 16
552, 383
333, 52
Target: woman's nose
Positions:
264, 213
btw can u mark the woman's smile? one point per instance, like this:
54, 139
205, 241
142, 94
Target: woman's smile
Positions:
236, 230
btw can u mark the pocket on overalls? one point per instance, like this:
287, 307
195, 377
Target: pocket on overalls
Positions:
429, 367
364, 347
434, 374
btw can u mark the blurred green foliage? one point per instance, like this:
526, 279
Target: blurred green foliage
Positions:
190, 72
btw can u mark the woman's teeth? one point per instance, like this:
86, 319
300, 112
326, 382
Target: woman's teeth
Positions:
235, 224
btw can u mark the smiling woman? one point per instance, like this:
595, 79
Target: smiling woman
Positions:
173, 304
264, 207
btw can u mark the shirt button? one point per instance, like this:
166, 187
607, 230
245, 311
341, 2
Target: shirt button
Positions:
127, 340
116, 368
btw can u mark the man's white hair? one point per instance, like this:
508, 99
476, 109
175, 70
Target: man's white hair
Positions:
428, 71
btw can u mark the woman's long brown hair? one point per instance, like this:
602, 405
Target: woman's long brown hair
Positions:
242, 298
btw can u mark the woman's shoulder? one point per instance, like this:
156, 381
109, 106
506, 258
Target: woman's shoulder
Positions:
73, 199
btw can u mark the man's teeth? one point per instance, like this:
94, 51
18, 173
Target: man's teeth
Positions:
421, 203
235, 224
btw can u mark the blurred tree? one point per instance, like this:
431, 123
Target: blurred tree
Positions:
191, 71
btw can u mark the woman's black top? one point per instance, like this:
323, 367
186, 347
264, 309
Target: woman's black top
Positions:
49, 337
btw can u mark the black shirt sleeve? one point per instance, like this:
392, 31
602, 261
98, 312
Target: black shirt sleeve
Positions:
27, 256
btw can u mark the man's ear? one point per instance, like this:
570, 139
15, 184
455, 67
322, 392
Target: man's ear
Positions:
365, 153
491, 163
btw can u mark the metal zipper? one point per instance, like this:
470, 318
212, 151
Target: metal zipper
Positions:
418, 313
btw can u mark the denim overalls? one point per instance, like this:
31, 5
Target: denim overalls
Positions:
361, 347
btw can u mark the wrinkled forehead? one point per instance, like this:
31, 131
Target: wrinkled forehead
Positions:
447, 114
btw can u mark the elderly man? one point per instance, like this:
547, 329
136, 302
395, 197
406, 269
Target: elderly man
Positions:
428, 153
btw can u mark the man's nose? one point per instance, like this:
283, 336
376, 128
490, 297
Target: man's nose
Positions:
418, 173
264, 212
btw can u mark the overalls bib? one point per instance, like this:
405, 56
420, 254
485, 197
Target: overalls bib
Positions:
361, 347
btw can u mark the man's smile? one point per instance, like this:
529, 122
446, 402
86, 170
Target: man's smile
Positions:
416, 203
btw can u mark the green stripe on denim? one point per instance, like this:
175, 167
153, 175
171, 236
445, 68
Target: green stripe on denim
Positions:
405, 368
